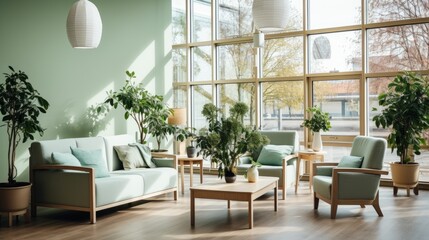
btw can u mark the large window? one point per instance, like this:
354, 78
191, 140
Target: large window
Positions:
336, 54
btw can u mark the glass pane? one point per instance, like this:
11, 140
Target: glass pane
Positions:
235, 18
235, 61
201, 17
335, 52
283, 57
180, 97
295, 17
179, 21
179, 65
201, 63
333, 13
398, 48
339, 98
375, 87
229, 94
283, 106
382, 10
201, 94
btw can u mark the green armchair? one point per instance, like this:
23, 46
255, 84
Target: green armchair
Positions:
284, 170
353, 181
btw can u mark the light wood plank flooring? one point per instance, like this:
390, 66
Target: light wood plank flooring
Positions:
163, 218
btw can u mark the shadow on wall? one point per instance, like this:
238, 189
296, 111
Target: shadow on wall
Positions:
88, 124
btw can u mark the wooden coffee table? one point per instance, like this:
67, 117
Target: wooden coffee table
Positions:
241, 190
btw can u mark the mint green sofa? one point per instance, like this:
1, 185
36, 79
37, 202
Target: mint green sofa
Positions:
353, 181
76, 188
286, 172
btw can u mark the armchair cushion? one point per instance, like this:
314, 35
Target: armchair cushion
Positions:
92, 158
130, 157
274, 154
350, 162
65, 159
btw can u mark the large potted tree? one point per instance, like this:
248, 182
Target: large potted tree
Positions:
405, 111
137, 102
318, 121
20, 107
227, 138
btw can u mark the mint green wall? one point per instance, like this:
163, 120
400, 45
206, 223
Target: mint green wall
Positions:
33, 38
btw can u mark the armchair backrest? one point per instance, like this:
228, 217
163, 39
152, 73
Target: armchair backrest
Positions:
283, 138
371, 149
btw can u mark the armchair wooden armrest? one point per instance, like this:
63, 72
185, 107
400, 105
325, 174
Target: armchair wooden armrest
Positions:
65, 167
322, 164
359, 170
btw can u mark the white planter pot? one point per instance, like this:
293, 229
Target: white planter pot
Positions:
317, 142
252, 174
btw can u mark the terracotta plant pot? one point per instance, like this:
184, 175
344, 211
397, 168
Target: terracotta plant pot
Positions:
15, 199
405, 176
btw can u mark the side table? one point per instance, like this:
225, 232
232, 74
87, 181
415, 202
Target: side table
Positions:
310, 156
185, 160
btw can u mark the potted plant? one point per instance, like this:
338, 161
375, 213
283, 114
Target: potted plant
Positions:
318, 121
188, 134
157, 123
20, 106
227, 138
405, 110
137, 102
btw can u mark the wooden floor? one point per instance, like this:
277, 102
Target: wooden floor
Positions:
163, 218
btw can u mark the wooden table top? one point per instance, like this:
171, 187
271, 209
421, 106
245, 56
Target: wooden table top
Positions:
240, 185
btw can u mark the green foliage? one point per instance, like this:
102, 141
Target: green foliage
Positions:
186, 133
21, 106
318, 121
405, 110
226, 139
157, 121
147, 110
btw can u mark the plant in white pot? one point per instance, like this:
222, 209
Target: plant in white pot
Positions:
20, 107
252, 173
318, 121
405, 111
226, 139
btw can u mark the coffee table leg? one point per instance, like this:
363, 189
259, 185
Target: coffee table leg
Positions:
201, 172
192, 209
251, 214
229, 204
275, 197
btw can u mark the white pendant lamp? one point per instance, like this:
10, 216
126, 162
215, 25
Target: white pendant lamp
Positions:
84, 25
270, 15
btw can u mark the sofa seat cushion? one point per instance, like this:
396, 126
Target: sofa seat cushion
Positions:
322, 185
118, 187
154, 179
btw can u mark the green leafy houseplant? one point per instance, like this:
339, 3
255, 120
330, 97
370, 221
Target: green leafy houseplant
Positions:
138, 104
187, 133
405, 110
318, 121
21, 106
226, 139
157, 122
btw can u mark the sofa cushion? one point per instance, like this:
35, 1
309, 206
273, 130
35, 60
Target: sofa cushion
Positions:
92, 158
146, 154
130, 157
113, 162
155, 179
350, 162
118, 187
65, 159
274, 154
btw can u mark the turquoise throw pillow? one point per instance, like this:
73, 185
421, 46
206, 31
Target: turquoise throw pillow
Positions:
92, 158
274, 154
350, 162
65, 159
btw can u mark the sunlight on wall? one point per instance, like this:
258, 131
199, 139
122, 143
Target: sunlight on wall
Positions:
144, 64
100, 96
